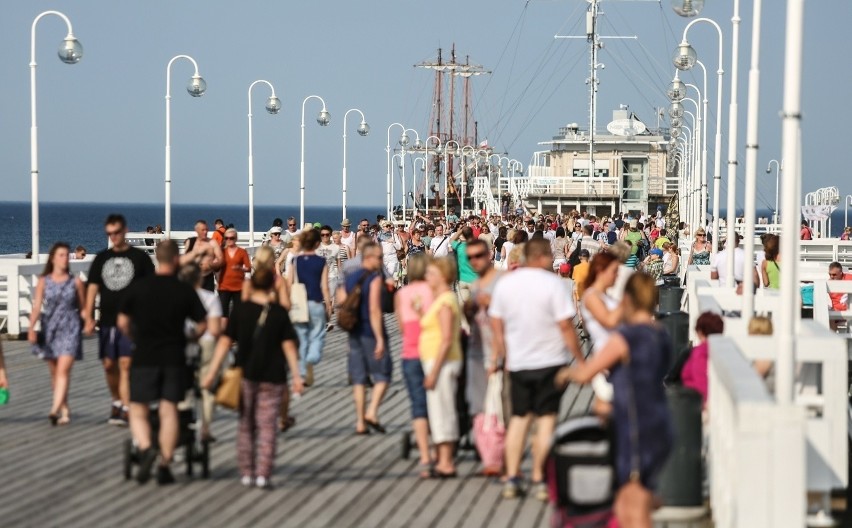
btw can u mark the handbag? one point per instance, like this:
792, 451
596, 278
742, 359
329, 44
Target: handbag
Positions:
489, 427
400, 253
228, 393
298, 298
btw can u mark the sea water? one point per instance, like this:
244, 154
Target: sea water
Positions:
83, 223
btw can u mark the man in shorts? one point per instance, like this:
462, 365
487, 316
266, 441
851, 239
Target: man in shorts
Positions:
112, 273
531, 315
205, 252
156, 309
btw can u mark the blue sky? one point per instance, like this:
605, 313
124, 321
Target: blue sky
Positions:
102, 123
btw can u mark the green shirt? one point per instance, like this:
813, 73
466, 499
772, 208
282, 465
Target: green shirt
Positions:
466, 273
634, 237
660, 241
773, 272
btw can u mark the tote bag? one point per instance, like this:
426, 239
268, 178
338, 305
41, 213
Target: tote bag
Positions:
298, 298
488, 426
228, 393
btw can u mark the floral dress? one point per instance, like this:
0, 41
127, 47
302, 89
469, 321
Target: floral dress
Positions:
60, 321
701, 258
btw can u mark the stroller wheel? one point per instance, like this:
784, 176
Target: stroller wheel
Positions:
205, 460
128, 459
405, 445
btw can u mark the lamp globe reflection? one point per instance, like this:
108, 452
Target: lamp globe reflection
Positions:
273, 104
676, 90
687, 8
676, 110
685, 57
324, 117
363, 128
418, 144
71, 50
404, 140
675, 132
675, 122
197, 86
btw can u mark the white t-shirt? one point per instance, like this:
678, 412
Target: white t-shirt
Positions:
720, 265
531, 302
211, 303
443, 242
348, 241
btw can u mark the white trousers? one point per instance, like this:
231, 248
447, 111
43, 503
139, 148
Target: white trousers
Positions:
441, 402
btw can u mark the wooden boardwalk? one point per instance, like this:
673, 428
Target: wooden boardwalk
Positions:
325, 476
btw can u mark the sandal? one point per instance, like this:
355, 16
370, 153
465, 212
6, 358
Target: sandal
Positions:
425, 470
284, 425
376, 426
64, 420
435, 474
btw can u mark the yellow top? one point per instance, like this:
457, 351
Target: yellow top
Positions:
581, 271
430, 329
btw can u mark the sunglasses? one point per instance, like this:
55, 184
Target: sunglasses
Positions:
291, 225
234, 238
113, 233
276, 234
476, 256
325, 234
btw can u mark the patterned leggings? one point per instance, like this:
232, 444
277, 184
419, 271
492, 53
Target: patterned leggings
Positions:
259, 404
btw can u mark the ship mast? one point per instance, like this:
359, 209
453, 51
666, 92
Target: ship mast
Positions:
443, 120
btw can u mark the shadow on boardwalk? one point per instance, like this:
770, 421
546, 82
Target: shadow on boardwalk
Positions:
325, 476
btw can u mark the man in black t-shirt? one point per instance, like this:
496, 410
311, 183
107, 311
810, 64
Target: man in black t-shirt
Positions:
112, 273
153, 314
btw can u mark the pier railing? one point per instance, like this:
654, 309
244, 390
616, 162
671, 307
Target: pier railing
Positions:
766, 457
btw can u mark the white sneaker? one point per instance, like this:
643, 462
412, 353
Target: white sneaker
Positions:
246, 481
263, 483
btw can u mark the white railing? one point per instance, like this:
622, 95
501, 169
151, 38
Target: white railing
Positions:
18, 278
764, 457
566, 185
141, 240
757, 448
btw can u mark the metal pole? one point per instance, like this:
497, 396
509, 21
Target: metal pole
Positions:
363, 120
791, 130
388, 153
732, 137
168, 177
302, 160
251, 160
751, 161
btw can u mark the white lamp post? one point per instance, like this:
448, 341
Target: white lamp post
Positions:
196, 88
363, 130
471, 152
323, 119
404, 141
388, 153
778, 168
684, 60
439, 149
70, 52
273, 106
447, 162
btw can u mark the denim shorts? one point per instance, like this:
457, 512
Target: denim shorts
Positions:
412, 371
112, 344
363, 362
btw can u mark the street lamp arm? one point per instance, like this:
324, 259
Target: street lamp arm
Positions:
400, 125
363, 119
306, 100
33, 31
721, 70
169, 70
259, 81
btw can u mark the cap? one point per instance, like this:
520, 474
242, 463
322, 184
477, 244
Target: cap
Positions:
345, 223
585, 253
657, 251
276, 229
317, 225
564, 268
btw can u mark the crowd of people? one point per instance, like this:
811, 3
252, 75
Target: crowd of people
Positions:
477, 301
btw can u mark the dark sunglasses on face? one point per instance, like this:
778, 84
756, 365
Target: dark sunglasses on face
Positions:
291, 225
325, 234
475, 256
230, 238
113, 233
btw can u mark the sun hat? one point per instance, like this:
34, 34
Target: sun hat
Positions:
345, 223
276, 229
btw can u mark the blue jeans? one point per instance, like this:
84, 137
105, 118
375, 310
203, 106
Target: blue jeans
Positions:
412, 371
311, 336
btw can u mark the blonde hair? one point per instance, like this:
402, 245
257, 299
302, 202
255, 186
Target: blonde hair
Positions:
516, 255
232, 230
447, 267
760, 325
510, 234
264, 257
416, 266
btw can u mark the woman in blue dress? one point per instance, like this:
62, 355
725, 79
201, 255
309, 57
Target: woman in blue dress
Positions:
637, 355
57, 301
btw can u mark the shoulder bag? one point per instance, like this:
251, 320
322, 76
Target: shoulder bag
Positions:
298, 298
400, 251
349, 311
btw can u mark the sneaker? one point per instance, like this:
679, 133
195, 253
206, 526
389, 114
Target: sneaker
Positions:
164, 476
540, 491
146, 462
512, 488
114, 414
263, 483
123, 420
246, 480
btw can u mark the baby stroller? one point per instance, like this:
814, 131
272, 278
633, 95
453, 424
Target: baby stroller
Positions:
194, 449
580, 474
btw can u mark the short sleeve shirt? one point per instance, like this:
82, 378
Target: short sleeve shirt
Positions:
114, 272
262, 358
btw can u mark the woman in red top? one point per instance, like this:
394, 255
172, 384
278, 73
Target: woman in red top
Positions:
234, 267
694, 373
